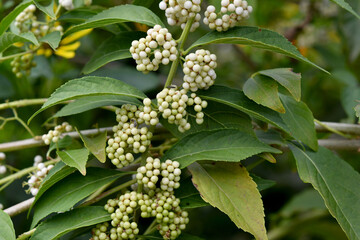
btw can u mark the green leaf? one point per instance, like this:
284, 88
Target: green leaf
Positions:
119, 14
7, 20
262, 184
96, 145
230, 145
64, 194
346, 6
189, 196
66, 222
80, 15
217, 116
336, 181
287, 78
46, 6
53, 39
300, 121
91, 102
255, 37
89, 86
112, 49
61, 144
307, 200
264, 91
75, 158
7, 39
236, 99
6, 227
230, 188
58, 172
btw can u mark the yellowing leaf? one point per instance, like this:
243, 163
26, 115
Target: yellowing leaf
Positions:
229, 187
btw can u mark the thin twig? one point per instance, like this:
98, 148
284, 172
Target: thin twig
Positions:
22, 103
19, 208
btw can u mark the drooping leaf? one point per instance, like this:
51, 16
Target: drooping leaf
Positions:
118, 14
347, 7
6, 227
336, 181
63, 223
75, 158
271, 137
58, 172
300, 121
236, 99
112, 49
217, 116
46, 6
96, 145
89, 86
264, 91
255, 37
7, 20
66, 193
306, 200
262, 184
8, 38
53, 39
61, 144
287, 78
91, 102
229, 145
229, 187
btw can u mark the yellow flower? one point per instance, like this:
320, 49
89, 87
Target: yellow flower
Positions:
67, 46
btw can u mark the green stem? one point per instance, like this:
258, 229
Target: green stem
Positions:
108, 193
22, 103
150, 229
331, 129
15, 55
182, 41
26, 235
23, 172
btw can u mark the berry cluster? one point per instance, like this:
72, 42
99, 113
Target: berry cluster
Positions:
55, 135
179, 12
22, 21
99, 232
22, 64
158, 47
2, 167
38, 175
199, 70
172, 104
67, 4
169, 172
149, 115
128, 138
232, 12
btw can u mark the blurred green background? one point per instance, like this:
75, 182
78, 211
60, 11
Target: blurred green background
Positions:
323, 32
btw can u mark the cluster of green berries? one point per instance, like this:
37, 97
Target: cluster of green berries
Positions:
99, 232
172, 103
56, 134
122, 210
157, 48
128, 138
199, 70
38, 175
24, 19
2, 167
178, 12
150, 174
23, 64
232, 12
